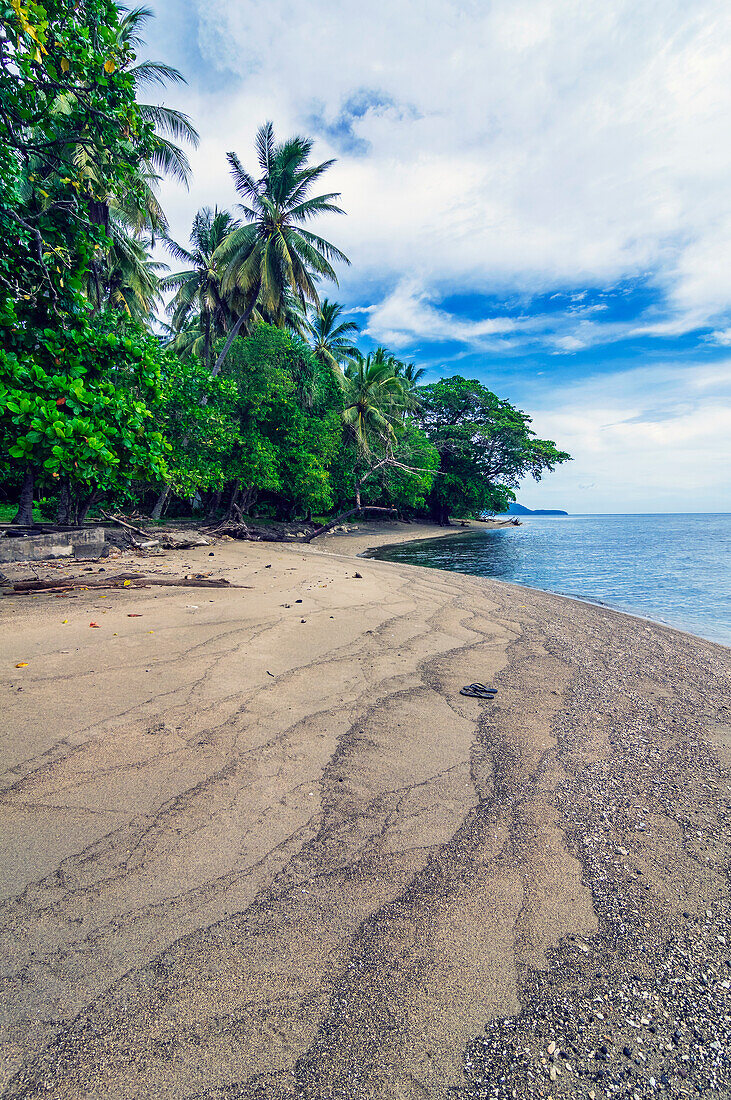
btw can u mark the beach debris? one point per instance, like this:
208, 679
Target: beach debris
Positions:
358, 576
149, 540
22, 664
134, 614
95, 625
123, 580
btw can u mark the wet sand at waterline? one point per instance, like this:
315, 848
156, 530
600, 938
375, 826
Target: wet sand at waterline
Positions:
256, 847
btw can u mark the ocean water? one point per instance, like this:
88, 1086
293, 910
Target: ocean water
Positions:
674, 569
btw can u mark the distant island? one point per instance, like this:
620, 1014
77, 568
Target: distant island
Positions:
520, 510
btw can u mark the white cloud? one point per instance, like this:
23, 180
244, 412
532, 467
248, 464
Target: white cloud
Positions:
407, 313
649, 439
721, 336
510, 147
518, 145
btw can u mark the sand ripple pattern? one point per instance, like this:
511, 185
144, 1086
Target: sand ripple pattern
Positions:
254, 856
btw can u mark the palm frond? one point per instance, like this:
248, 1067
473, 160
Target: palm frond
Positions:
244, 183
265, 147
155, 72
169, 121
170, 159
328, 250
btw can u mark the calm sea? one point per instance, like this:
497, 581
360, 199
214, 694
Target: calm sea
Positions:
675, 569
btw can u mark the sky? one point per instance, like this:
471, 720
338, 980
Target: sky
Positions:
537, 196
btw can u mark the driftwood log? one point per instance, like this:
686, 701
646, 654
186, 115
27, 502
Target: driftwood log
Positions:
126, 525
239, 529
122, 580
163, 540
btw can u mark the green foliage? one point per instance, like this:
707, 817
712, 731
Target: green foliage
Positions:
72, 134
197, 415
405, 489
485, 447
78, 405
288, 407
91, 404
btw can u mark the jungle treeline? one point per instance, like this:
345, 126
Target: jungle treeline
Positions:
166, 378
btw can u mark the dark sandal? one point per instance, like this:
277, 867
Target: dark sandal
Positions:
478, 691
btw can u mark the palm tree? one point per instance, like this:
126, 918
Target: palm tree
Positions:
171, 126
198, 295
274, 251
131, 216
289, 314
373, 393
131, 277
329, 337
410, 377
373, 413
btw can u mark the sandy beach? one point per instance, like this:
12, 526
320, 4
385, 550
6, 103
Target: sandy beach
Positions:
256, 844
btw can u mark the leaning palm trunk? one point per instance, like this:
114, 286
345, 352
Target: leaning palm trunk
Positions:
243, 319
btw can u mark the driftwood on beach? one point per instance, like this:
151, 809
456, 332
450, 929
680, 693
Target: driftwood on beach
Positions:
134, 533
121, 580
238, 528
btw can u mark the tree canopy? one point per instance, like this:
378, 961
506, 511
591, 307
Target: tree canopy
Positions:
485, 445
228, 382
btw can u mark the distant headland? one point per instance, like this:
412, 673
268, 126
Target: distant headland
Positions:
520, 510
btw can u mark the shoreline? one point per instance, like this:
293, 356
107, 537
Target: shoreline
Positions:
560, 595
270, 840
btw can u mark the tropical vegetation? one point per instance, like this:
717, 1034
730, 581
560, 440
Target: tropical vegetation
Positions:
230, 383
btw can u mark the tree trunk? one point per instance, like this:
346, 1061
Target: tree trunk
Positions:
440, 514
234, 332
233, 501
84, 506
357, 495
248, 498
160, 503
215, 504
24, 515
64, 503
207, 340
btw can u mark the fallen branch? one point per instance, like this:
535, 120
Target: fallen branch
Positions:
165, 541
127, 526
122, 580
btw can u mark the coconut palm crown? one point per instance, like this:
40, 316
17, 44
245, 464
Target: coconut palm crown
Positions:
274, 251
330, 338
170, 125
197, 289
373, 401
